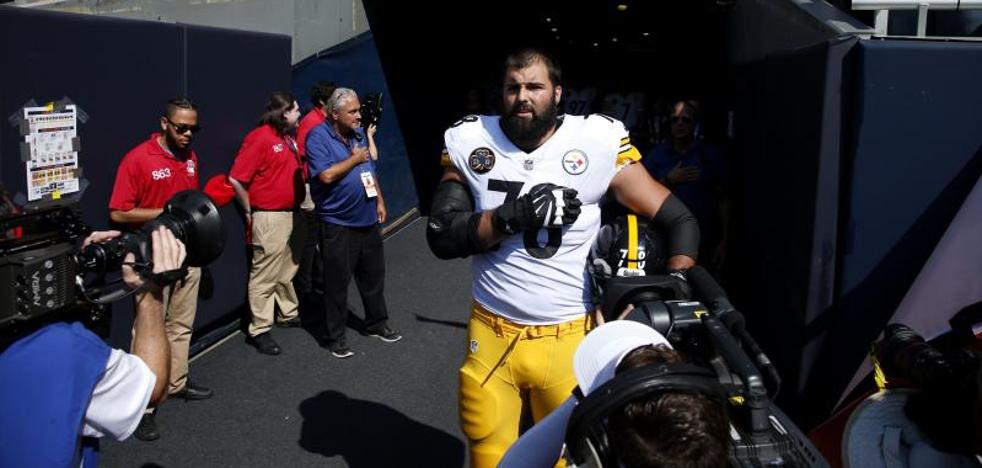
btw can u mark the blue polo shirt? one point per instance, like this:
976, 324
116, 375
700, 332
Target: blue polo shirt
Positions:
344, 202
699, 195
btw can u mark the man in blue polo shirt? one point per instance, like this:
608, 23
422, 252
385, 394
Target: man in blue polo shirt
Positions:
350, 206
695, 172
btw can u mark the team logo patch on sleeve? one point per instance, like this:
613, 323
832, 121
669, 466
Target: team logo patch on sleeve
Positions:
575, 162
481, 160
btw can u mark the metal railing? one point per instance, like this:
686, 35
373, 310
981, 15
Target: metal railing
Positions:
883, 7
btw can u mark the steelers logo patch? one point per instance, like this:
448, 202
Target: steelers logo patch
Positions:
481, 160
575, 162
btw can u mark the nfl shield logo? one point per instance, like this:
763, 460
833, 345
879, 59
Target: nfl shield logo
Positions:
575, 162
528, 164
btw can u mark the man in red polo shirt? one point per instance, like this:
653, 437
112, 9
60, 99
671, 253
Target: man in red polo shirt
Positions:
268, 182
148, 176
310, 265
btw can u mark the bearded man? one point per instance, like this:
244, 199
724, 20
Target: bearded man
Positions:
520, 194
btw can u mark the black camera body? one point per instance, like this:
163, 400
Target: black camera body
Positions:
37, 262
371, 109
710, 333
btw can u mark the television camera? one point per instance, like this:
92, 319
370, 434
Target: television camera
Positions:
43, 273
695, 315
948, 374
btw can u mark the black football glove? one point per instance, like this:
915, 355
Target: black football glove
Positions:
546, 205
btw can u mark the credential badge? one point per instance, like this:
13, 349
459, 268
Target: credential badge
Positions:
575, 162
481, 160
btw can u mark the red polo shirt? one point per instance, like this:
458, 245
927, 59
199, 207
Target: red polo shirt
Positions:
270, 166
313, 118
148, 176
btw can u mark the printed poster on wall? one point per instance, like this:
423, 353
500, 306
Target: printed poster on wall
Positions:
53, 163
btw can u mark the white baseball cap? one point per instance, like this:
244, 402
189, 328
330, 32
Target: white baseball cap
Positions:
603, 348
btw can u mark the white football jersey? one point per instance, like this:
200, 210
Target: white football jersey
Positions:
538, 277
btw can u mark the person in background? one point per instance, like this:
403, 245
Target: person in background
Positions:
351, 206
310, 264
268, 180
695, 172
148, 176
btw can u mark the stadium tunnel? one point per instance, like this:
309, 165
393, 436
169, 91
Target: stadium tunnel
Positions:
853, 154
706, 50
828, 232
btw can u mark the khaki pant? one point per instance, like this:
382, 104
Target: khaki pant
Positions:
180, 306
275, 247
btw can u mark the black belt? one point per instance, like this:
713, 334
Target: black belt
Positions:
254, 209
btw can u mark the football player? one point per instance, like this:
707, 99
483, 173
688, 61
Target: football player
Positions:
520, 194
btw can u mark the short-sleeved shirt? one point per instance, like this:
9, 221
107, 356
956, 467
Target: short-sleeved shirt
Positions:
70, 386
269, 165
148, 176
539, 277
700, 195
345, 201
313, 118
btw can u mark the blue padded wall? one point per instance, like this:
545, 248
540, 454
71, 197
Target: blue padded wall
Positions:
121, 72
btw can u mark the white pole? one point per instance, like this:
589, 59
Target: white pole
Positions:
922, 19
882, 18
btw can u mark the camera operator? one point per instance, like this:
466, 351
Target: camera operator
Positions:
928, 411
64, 387
678, 427
667, 429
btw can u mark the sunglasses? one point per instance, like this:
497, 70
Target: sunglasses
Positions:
183, 128
677, 119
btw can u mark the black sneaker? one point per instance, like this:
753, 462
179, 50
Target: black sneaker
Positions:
265, 344
147, 429
291, 323
193, 392
385, 334
340, 350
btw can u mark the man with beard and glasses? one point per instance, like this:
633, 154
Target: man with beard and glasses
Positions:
148, 176
520, 193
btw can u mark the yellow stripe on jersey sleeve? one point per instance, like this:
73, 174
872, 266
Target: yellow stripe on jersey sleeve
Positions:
445, 159
627, 157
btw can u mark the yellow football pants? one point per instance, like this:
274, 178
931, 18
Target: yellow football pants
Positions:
507, 366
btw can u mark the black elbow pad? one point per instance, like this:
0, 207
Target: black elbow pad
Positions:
682, 228
452, 228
